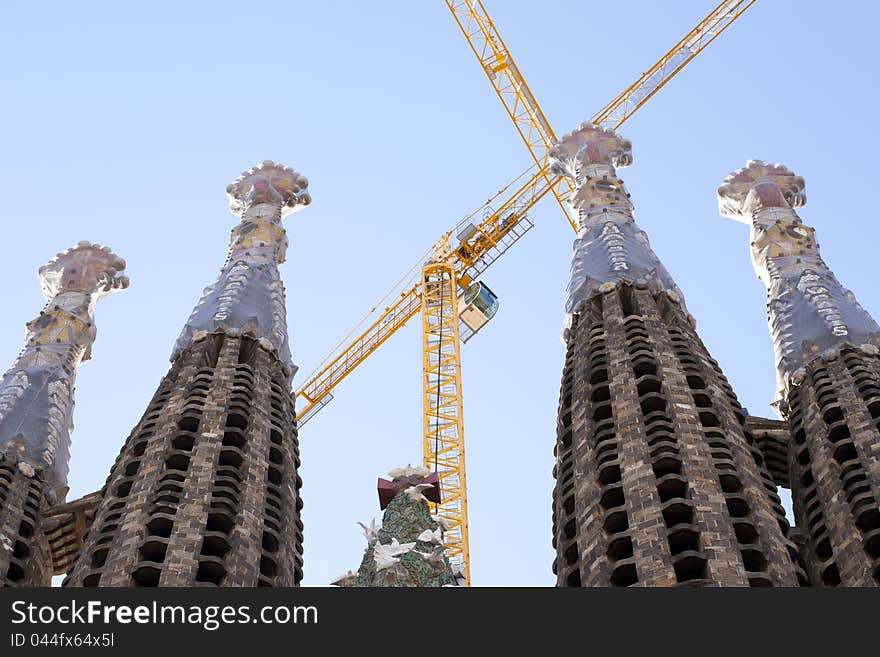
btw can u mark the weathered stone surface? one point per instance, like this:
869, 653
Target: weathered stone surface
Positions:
64, 526
659, 482
772, 438
24, 552
205, 491
834, 464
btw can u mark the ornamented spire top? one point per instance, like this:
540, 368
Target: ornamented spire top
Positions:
758, 186
810, 313
248, 296
74, 281
590, 145
36, 394
269, 184
610, 248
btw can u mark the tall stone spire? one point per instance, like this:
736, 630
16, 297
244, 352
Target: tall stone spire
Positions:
206, 491
828, 377
36, 403
658, 482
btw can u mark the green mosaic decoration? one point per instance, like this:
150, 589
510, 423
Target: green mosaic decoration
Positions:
395, 555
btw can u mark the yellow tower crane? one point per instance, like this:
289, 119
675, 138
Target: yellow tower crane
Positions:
445, 288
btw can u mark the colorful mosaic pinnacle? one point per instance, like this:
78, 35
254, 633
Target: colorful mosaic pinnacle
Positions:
610, 247
36, 394
36, 405
268, 184
248, 296
810, 313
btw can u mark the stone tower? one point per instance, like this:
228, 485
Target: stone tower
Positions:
828, 378
407, 550
658, 482
36, 405
205, 491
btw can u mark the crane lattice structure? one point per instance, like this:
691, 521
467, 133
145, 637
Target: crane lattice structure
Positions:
446, 286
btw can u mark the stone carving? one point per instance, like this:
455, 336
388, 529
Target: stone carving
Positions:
610, 247
36, 394
248, 296
809, 312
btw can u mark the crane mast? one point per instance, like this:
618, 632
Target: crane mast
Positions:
443, 417
453, 267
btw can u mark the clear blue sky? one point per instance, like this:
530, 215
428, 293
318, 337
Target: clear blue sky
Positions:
123, 123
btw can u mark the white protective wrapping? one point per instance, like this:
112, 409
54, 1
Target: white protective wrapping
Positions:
37, 393
610, 248
248, 296
809, 312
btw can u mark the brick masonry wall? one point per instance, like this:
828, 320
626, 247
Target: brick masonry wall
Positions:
205, 491
659, 483
834, 464
24, 550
